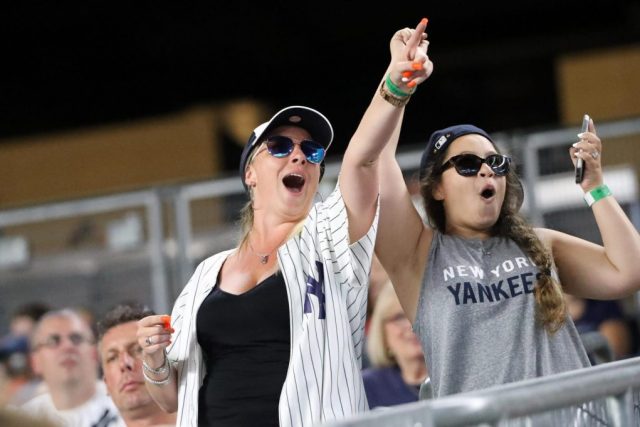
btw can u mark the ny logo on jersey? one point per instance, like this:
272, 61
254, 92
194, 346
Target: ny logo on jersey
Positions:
315, 287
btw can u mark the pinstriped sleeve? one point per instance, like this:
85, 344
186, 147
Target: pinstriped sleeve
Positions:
353, 260
180, 318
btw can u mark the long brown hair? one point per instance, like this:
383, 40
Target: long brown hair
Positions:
551, 310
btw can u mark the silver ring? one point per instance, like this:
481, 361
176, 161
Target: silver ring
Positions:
595, 154
148, 340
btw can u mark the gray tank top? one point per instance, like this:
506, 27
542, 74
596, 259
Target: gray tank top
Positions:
475, 318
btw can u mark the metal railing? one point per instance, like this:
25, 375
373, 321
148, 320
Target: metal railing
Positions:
173, 258
149, 200
610, 389
531, 144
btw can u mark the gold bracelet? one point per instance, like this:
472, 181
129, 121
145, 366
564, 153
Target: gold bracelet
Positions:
392, 99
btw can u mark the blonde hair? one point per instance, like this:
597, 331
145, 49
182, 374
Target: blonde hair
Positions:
246, 213
377, 347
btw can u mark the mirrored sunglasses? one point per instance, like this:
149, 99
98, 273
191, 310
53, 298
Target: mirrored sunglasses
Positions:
54, 340
470, 164
281, 146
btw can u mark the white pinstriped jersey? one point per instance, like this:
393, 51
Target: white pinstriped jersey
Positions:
327, 282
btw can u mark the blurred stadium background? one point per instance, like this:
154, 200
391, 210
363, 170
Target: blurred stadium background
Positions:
122, 126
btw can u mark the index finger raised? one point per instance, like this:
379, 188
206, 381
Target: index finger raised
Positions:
416, 38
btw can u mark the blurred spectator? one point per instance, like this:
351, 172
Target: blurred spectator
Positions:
64, 354
20, 384
10, 418
120, 355
88, 316
398, 366
377, 279
24, 319
4, 381
605, 317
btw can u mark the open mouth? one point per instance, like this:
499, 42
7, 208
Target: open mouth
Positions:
293, 182
488, 193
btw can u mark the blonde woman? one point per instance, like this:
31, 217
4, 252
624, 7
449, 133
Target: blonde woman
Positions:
270, 333
397, 362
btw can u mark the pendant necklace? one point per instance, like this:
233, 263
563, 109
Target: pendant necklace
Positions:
264, 258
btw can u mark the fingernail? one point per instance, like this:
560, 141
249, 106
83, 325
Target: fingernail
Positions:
417, 66
580, 135
407, 74
412, 83
424, 21
575, 144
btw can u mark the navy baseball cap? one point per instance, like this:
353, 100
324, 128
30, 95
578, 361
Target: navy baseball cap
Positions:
307, 118
441, 139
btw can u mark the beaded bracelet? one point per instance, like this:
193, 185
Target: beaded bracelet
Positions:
156, 382
161, 370
600, 192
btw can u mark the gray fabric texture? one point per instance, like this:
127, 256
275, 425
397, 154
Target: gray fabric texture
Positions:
476, 318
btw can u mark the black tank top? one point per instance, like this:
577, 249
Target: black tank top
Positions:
246, 346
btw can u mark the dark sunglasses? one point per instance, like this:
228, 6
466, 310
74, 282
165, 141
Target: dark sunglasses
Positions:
470, 164
54, 340
281, 146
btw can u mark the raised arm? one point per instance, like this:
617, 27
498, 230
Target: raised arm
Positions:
380, 124
402, 236
586, 269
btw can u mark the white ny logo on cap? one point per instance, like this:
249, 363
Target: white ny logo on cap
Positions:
440, 141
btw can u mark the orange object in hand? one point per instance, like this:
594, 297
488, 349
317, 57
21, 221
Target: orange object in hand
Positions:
166, 321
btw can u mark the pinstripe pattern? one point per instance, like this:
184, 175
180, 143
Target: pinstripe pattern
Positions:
323, 380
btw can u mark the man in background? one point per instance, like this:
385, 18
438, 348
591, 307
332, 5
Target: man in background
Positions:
121, 360
63, 353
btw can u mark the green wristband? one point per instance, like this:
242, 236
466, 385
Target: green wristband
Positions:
600, 192
395, 89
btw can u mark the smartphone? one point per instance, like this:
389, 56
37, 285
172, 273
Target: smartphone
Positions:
580, 163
